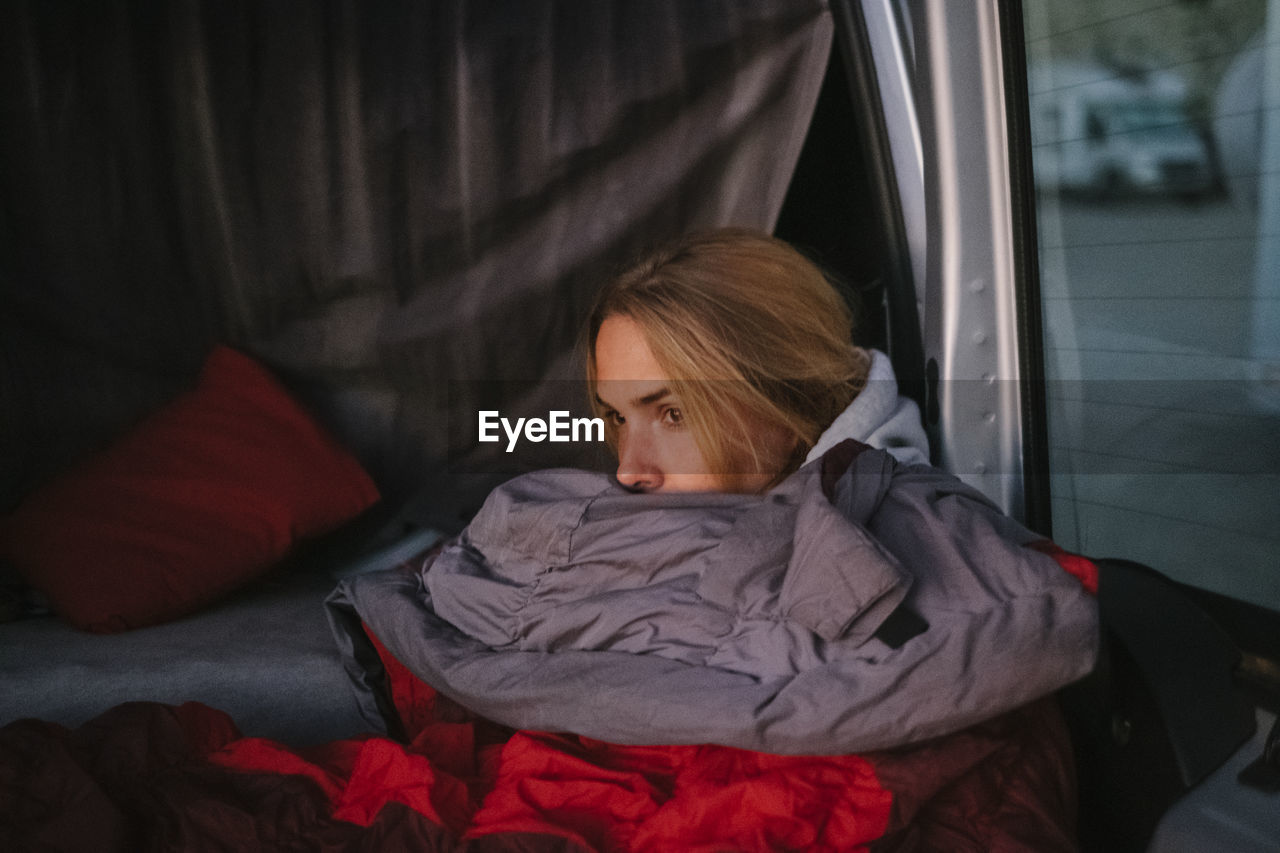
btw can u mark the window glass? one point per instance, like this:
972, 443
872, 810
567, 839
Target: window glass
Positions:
1155, 130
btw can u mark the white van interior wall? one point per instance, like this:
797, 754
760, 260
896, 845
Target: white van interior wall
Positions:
374, 199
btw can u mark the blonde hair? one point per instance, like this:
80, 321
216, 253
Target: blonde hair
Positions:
750, 332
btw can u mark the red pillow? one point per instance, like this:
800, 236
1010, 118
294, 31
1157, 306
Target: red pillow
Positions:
202, 496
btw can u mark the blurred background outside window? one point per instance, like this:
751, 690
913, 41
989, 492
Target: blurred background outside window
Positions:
1156, 150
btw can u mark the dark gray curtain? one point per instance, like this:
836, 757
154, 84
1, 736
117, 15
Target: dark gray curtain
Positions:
378, 199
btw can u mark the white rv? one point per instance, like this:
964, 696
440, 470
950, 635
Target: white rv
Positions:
1102, 133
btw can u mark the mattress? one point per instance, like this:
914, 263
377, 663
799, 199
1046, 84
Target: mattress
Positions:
266, 656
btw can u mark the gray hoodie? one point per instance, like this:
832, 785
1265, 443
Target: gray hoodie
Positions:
880, 417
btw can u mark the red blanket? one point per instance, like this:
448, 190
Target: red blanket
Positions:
157, 777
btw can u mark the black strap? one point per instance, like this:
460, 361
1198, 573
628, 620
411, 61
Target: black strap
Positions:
899, 626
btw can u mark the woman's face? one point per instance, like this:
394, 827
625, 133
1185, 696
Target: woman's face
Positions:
656, 448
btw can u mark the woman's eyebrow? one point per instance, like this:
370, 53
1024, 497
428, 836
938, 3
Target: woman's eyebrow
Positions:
651, 397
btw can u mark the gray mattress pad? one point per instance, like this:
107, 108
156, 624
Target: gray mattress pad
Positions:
265, 655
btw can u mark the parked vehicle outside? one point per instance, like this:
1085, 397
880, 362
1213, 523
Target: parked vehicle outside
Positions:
1109, 133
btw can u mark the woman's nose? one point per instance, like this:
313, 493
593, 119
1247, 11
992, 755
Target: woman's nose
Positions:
637, 468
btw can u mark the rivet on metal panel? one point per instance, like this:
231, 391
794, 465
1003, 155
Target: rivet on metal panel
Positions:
979, 337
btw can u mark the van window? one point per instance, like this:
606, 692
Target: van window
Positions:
1156, 161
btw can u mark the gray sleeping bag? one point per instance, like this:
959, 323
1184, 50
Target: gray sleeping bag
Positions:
770, 622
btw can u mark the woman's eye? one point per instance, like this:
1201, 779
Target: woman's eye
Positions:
614, 418
673, 417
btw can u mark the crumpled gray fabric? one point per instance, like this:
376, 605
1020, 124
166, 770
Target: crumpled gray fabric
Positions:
769, 586
880, 417
1006, 625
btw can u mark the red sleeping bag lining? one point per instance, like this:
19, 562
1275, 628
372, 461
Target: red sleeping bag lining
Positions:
159, 777
1007, 784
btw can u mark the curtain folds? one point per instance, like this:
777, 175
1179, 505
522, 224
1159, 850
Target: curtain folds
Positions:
379, 200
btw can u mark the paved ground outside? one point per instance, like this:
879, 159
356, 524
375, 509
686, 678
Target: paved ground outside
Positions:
1163, 449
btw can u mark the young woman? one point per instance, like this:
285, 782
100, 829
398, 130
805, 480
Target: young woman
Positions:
774, 565
720, 361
